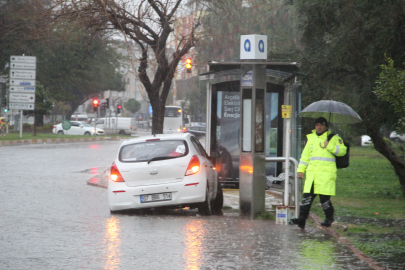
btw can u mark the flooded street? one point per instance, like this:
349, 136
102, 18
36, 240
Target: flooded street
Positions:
51, 219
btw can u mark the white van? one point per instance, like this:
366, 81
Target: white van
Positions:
80, 117
117, 125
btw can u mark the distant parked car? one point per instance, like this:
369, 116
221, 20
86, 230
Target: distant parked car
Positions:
198, 131
394, 136
366, 140
166, 170
77, 128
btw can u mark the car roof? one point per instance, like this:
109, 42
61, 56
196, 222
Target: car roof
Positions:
172, 136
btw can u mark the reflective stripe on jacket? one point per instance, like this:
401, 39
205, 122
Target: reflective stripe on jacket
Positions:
319, 163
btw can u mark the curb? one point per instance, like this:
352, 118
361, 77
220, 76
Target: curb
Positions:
57, 140
370, 261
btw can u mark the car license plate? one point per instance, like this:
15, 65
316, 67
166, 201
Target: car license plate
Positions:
156, 197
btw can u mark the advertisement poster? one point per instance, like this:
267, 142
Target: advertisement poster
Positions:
229, 105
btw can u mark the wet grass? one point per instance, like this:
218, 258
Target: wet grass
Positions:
369, 201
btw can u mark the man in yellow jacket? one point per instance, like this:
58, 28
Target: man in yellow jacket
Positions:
318, 162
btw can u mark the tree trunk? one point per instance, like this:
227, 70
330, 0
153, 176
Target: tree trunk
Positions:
385, 149
158, 108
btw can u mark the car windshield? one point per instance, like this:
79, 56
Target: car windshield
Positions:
153, 150
85, 124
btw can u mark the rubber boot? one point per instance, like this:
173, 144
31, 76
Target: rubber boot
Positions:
299, 221
328, 210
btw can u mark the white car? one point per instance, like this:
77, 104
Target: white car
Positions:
165, 170
366, 140
77, 128
394, 136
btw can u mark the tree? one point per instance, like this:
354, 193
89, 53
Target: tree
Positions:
149, 24
132, 105
74, 61
43, 106
345, 42
226, 20
390, 88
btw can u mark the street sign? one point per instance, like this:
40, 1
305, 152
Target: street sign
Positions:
24, 59
22, 89
18, 65
22, 97
21, 94
22, 74
23, 82
22, 106
66, 124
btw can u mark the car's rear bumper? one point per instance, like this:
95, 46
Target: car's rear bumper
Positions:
184, 193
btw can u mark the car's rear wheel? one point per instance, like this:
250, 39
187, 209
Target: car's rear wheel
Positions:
87, 133
218, 202
204, 209
60, 132
121, 132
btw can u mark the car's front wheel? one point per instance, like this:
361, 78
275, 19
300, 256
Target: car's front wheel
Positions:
87, 133
204, 209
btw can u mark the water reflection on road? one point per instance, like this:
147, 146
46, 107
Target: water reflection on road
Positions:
188, 241
113, 243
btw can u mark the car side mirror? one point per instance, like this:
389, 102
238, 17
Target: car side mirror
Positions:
215, 155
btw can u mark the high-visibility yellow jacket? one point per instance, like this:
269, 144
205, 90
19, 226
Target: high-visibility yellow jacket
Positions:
319, 163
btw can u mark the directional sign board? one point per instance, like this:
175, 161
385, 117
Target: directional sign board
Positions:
18, 65
23, 82
22, 97
22, 74
22, 89
23, 59
22, 106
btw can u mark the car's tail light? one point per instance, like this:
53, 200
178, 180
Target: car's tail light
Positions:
54, 126
115, 174
184, 130
193, 166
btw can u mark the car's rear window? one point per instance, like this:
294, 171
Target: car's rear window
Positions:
145, 151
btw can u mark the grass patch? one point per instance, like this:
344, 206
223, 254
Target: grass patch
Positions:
226, 207
28, 135
265, 216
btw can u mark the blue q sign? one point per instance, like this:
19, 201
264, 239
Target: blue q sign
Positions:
247, 45
253, 47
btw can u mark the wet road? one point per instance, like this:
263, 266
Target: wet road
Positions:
51, 219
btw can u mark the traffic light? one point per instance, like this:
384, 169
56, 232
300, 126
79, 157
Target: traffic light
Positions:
96, 103
4, 101
119, 108
188, 65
